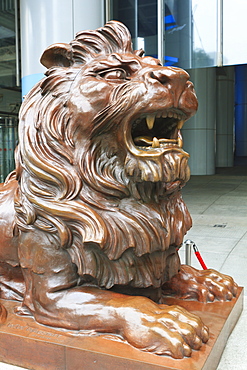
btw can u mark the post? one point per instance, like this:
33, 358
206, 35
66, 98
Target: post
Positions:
188, 244
160, 30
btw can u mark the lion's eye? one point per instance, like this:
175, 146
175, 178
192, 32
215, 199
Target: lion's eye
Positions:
114, 74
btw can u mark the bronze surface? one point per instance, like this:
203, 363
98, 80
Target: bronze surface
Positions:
26, 343
91, 220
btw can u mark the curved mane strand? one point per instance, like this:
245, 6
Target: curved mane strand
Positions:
114, 37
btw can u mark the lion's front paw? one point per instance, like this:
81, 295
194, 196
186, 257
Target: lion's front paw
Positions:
163, 330
205, 285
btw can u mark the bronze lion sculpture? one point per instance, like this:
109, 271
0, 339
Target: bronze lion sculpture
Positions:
91, 220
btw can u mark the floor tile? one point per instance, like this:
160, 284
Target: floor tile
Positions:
211, 243
222, 200
217, 229
211, 260
235, 356
236, 266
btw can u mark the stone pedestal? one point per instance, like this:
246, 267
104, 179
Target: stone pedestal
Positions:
25, 343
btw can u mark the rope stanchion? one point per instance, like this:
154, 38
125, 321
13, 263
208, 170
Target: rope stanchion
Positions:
188, 244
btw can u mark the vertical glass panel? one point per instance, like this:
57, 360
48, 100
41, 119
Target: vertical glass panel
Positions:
204, 31
140, 16
10, 94
7, 44
8, 141
190, 28
234, 32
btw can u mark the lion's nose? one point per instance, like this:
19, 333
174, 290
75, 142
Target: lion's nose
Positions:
170, 75
173, 80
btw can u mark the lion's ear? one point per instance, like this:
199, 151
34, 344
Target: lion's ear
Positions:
57, 55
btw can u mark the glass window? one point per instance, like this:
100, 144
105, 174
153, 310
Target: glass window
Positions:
7, 44
234, 32
190, 33
10, 94
140, 16
8, 141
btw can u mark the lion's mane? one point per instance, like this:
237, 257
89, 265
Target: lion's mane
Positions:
83, 197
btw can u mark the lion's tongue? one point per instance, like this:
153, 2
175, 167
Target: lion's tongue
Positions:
153, 142
147, 141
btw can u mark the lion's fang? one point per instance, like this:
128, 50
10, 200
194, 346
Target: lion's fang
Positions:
155, 143
180, 124
150, 121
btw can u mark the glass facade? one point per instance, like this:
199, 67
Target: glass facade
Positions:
234, 32
140, 16
8, 44
8, 141
197, 33
190, 29
190, 33
10, 94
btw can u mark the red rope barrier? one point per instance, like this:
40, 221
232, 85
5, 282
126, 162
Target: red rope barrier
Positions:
199, 257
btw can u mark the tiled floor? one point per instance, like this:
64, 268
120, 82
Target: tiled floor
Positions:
218, 205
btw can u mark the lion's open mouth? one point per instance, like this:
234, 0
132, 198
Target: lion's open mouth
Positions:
158, 130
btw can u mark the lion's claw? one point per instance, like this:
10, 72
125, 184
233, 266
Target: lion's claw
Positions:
189, 318
165, 330
205, 286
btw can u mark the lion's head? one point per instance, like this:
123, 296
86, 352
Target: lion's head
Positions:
100, 159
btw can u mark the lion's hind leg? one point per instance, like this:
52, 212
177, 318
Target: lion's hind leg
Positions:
12, 284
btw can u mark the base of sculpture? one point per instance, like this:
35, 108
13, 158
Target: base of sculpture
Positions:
28, 344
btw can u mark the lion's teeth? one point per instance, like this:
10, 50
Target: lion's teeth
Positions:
180, 124
155, 143
180, 142
150, 121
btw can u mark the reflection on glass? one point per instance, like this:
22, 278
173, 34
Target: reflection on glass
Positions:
191, 36
140, 16
190, 33
10, 95
8, 141
234, 32
204, 23
7, 44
